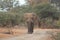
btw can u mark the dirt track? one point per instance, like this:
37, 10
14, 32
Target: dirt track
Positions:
39, 34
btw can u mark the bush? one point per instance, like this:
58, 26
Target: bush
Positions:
45, 10
15, 15
10, 19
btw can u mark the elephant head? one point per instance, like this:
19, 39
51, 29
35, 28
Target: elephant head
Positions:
30, 19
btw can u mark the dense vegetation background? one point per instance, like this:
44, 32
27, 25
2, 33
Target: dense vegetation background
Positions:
12, 12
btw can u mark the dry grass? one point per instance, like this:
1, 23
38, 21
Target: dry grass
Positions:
4, 32
22, 31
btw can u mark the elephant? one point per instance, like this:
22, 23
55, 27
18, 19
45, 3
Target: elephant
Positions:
31, 19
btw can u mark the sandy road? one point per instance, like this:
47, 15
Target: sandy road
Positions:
37, 35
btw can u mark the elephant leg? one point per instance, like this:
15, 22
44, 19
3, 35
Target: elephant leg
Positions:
30, 27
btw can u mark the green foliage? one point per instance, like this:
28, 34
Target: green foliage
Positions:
48, 13
15, 15
8, 4
9, 19
58, 23
45, 10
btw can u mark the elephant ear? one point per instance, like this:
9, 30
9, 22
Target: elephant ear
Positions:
35, 16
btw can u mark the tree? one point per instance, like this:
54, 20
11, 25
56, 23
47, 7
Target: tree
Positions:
35, 2
8, 4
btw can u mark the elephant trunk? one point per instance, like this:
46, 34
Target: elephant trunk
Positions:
30, 27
